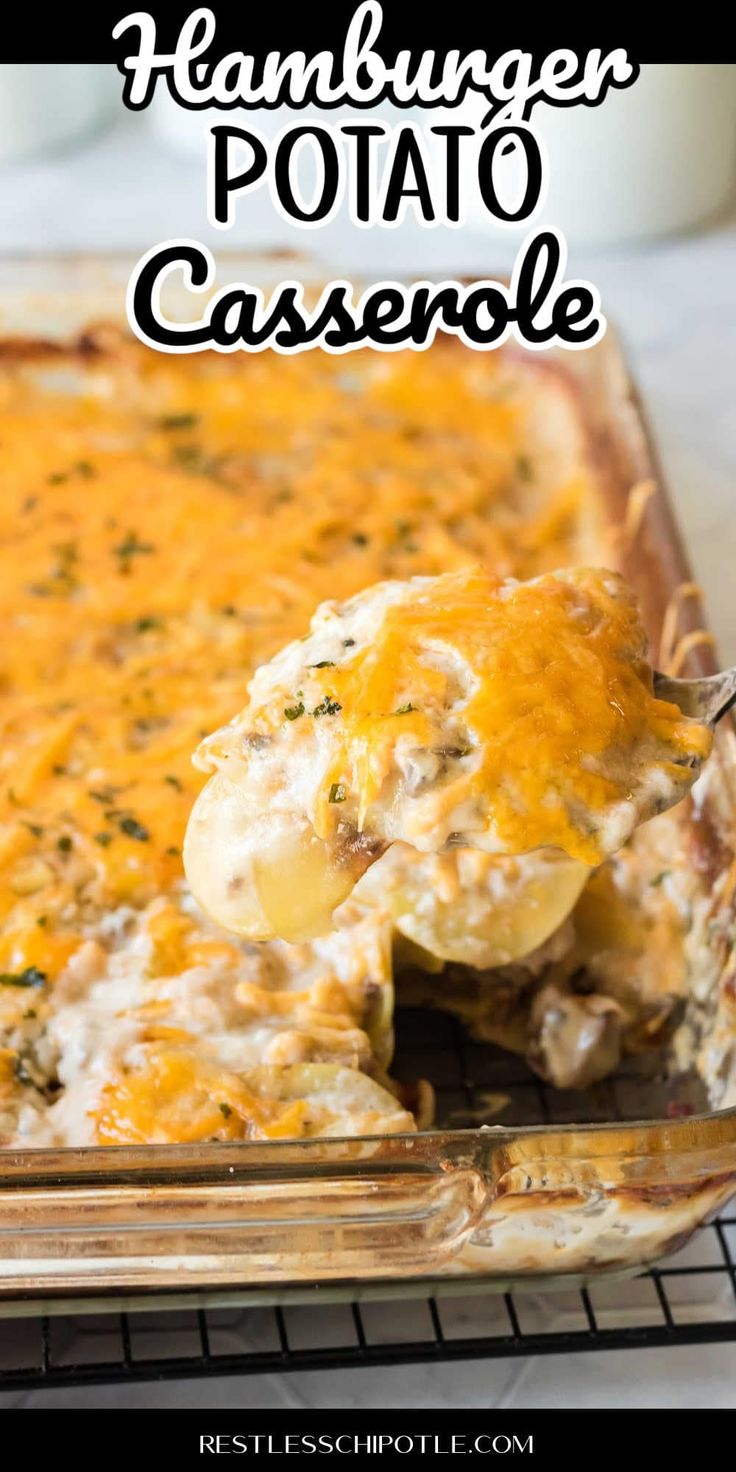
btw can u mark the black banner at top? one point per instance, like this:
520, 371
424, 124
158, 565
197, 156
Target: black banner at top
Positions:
64, 34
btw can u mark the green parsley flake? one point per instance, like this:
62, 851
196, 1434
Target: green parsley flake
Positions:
131, 547
30, 977
327, 707
134, 829
178, 421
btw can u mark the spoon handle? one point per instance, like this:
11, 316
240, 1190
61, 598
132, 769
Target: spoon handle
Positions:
706, 699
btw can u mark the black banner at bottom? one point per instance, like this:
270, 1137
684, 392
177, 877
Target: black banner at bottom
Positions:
384, 1438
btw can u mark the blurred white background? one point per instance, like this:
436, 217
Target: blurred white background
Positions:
656, 158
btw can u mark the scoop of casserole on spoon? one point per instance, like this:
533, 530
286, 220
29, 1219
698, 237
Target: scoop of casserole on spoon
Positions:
455, 711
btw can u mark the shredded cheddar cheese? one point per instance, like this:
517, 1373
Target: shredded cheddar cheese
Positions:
165, 527
559, 689
173, 1096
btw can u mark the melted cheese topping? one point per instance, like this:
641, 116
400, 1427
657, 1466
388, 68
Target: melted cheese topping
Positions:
165, 526
171, 1094
460, 709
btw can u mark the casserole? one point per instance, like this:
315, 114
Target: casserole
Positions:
475, 1203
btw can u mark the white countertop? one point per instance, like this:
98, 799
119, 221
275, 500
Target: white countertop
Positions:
674, 303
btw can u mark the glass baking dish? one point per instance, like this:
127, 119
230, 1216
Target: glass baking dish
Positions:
497, 1206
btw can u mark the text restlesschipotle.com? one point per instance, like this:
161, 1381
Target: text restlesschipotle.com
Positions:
375, 1445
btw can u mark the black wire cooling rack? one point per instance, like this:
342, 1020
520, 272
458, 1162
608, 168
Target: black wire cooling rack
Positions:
691, 1299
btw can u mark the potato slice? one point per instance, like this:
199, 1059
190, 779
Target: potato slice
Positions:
261, 874
479, 909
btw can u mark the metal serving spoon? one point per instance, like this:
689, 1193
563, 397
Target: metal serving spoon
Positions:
706, 699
